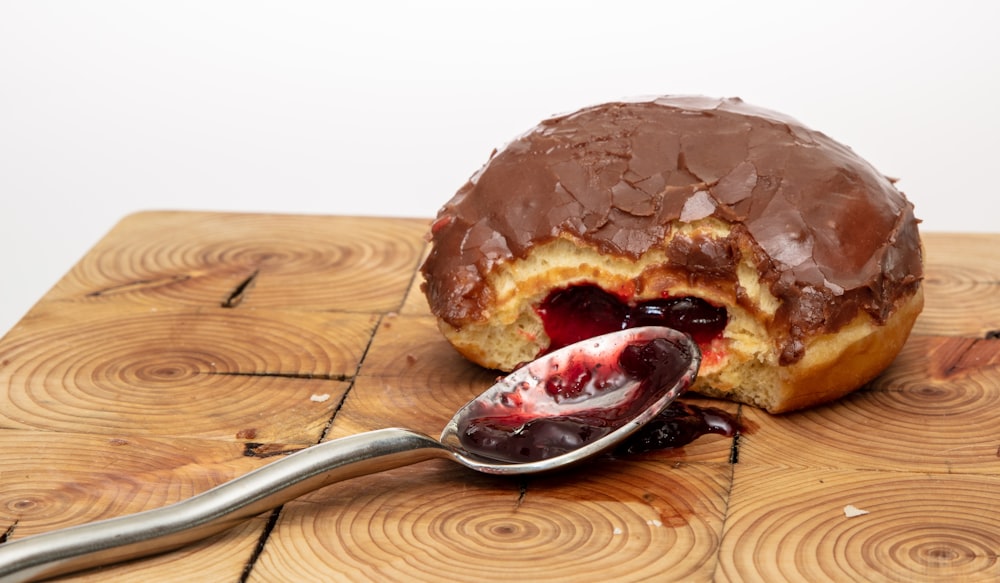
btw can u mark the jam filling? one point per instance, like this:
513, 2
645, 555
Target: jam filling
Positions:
576, 313
520, 437
580, 312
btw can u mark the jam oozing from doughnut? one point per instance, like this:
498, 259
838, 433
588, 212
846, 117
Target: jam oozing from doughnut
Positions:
521, 434
580, 312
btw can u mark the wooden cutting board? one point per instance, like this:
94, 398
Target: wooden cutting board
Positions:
187, 348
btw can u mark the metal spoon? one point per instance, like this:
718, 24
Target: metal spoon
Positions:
627, 401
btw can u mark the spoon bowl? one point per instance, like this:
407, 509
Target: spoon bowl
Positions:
565, 407
595, 386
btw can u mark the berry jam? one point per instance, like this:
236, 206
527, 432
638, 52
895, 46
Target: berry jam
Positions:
580, 312
578, 404
678, 425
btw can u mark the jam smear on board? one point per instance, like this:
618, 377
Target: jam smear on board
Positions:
678, 425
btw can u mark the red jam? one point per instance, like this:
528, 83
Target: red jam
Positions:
517, 432
524, 437
678, 425
580, 312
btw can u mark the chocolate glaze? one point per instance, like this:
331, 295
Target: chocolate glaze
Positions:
829, 234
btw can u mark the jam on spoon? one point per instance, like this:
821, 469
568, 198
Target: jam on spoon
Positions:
576, 405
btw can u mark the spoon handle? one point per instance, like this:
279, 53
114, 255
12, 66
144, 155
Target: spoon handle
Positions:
213, 511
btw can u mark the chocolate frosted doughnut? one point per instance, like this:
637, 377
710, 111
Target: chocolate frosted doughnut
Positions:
794, 263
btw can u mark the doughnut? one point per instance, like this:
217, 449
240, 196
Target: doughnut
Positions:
791, 261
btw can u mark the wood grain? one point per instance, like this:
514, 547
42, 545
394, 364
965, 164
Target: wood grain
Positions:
630, 521
187, 347
790, 525
415, 304
51, 479
962, 285
209, 372
927, 413
203, 259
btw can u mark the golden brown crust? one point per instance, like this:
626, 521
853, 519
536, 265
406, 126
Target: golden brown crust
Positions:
836, 364
743, 366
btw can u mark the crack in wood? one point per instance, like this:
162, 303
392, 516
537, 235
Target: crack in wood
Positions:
970, 353
138, 284
286, 375
992, 335
239, 292
265, 450
5, 536
522, 492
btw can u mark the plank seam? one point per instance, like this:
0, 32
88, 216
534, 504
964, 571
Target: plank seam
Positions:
522, 492
275, 514
352, 379
272, 522
413, 276
733, 461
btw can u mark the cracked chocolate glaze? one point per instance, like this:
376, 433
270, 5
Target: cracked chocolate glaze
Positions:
829, 234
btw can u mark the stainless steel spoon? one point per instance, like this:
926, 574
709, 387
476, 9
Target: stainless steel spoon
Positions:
629, 401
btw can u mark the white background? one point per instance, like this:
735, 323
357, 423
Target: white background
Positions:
107, 108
